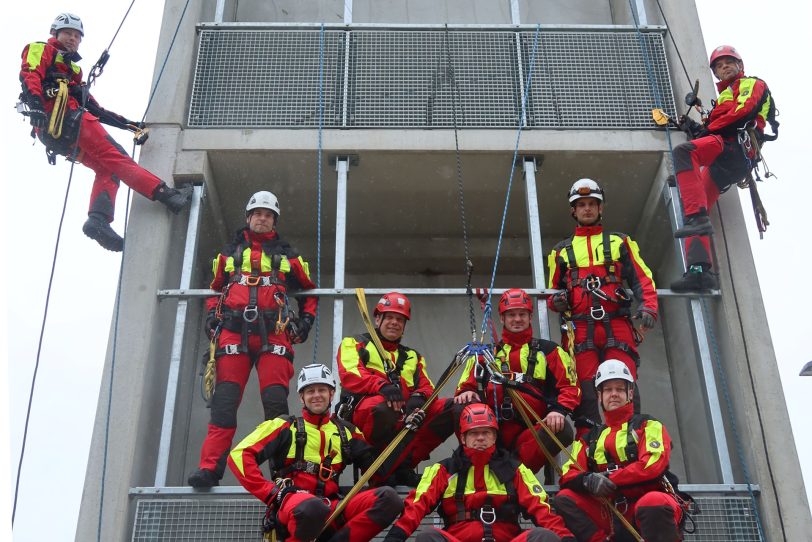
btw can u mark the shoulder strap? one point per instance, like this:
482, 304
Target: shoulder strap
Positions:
592, 442
363, 353
635, 423
608, 263
301, 437
459, 492
345, 442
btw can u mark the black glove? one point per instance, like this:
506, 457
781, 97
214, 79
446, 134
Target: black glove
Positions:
413, 421
137, 124
303, 326
396, 534
598, 484
560, 302
415, 401
692, 128
391, 393
36, 113
646, 317
212, 322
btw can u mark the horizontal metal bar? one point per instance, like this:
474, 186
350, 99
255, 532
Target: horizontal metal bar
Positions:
240, 491
438, 27
343, 292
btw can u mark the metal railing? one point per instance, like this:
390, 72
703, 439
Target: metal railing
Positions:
407, 77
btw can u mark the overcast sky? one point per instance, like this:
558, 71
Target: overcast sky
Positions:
82, 299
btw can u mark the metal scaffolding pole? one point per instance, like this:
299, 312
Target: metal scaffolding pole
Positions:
172, 379
534, 235
342, 167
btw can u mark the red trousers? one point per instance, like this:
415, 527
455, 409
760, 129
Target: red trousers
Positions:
366, 515
380, 424
274, 372
514, 435
471, 531
656, 515
111, 163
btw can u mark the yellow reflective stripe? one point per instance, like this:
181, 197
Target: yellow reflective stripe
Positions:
467, 371
599, 454
639, 261
724, 96
745, 91
34, 56
533, 485
654, 441
577, 446
349, 357
262, 431
304, 264
552, 263
621, 439
424, 373
581, 251
264, 263
73, 66
425, 481
540, 370
765, 109
312, 449
492, 484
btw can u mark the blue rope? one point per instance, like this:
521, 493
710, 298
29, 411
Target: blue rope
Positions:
318, 176
709, 324
486, 318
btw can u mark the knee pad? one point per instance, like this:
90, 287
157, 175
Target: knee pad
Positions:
225, 403
383, 424
274, 401
388, 506
657, 523
309, 516
539, 534
575, 519
682, 157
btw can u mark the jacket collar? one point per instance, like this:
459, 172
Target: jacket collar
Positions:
619, 415
517, 339
316, 419
586, 231
68, 57
722, 85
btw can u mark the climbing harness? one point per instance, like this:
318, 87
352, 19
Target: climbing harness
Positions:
487, 514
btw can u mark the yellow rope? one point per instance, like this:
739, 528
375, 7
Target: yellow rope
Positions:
210, 373
58, 113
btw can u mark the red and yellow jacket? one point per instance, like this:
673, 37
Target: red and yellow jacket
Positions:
362, 372
275, 441
615, 446
490, 478
42, 62
585, 254
553, 372
261, 255
740, 100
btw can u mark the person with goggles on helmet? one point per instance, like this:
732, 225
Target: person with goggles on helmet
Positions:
545, 373
624, 460
307, 454
49, 66
377, 393
592, 269
253, 325
713, 159
479, 492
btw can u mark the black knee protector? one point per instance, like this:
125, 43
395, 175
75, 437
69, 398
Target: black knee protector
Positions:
539, 534
576, 520
383, 424
682, 157
225, 403
657, 524
310, 516
274, 401
388, 506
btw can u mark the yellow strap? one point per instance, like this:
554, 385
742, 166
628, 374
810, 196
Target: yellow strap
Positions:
210, 374
58, 113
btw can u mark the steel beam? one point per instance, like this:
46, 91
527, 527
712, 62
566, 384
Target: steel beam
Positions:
342, 167
172, 380
534, 235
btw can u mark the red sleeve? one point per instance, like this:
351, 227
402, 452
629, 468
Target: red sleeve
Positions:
555, 276
267, 440
566, 379
533, 499
353, 374
424, 383
570, 470
219, 280
307, 304
37, 57
467, 378
638, 275
737, 111
653, 455
424, 498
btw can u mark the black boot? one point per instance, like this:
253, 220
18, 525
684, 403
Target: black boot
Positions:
696, 279
97, 228
698, 224
175, 200
203, 478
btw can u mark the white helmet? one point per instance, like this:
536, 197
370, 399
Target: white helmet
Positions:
67, 20
315, 373
262, 200
612, 369
585, 188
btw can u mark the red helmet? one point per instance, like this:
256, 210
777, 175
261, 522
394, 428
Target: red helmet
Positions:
477, 415
515, 298
394, 302
724, 50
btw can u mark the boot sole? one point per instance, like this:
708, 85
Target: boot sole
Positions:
108, 244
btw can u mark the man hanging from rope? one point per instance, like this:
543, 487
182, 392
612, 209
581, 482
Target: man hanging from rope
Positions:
593, 269
253, 325
307, 454
480, 490
714, 159
378, 393
544, 374
625, 460
50, 76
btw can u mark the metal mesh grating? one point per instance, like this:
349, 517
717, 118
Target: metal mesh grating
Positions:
723, 518
262, 78
595, 79
409, 78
